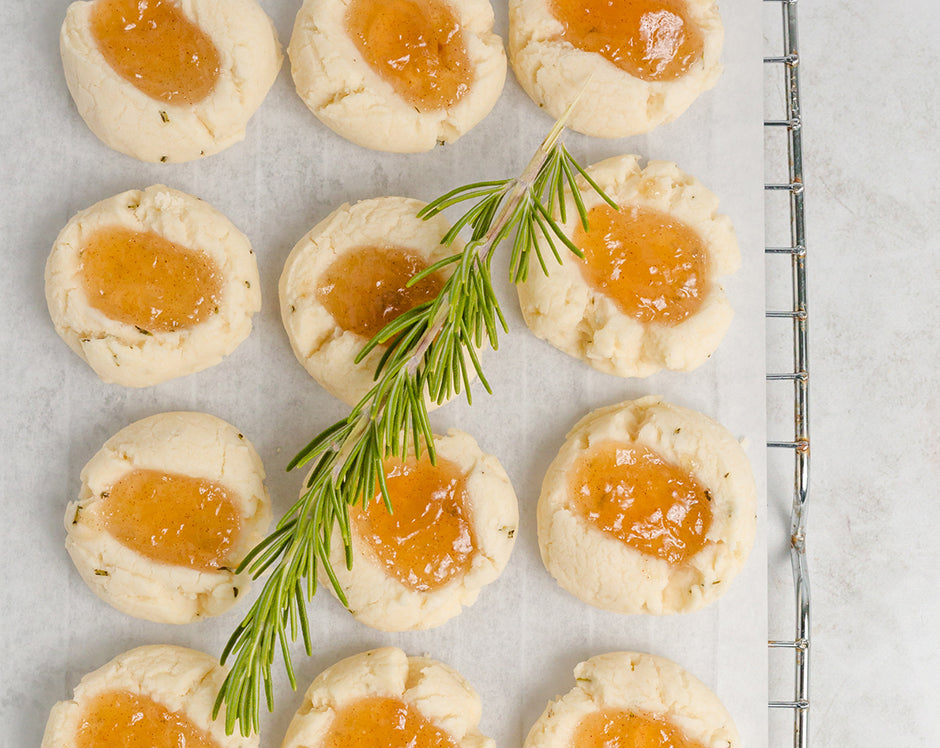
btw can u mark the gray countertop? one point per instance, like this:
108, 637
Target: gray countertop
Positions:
870, 104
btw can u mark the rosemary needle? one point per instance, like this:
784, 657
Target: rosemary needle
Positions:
431, 351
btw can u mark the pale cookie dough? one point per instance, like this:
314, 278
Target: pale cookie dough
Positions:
150, 129
379, 600
325, 349
568, 312
641, 682
439, 693
191, 444
603, 571
181, 680
611, 103
353, 100
123, 353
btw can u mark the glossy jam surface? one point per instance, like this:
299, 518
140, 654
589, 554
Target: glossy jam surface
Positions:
142, 279
120, 719
172, 519
632, 494
622, 728
151, 44
427, 540
653, 40
414, 45
652, 266
366, 289
383, 722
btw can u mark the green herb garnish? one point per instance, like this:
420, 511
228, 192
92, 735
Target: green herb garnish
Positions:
430, 349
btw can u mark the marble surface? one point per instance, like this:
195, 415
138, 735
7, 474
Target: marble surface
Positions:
871, 160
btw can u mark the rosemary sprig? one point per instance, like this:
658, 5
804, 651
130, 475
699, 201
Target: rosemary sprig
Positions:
430, 349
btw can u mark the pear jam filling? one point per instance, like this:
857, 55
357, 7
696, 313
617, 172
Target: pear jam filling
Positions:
416, 46
628, 728
367, 288
384, 722
652, 266
153, 46
173, 519
632, 494
120, 719
141, 279
428, 539
653, 40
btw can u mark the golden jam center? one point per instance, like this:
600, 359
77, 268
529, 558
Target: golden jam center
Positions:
650, 265
653, 40
632, 494
141, 279
625, 728
151, 44
120, 719
367, 288
172, 519
383, 722
414, 45
427, 539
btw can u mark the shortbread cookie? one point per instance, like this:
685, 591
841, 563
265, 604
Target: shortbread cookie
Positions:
168, 80
629, 698
346, 279
629, 65
167, 509
647, 295
450, 533
384, 698
647, 508
398, 75
155, 696
150, 285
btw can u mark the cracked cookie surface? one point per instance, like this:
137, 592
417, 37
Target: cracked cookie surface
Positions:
400, 76
167, 509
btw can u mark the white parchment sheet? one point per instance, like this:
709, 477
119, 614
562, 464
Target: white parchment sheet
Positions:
519, 643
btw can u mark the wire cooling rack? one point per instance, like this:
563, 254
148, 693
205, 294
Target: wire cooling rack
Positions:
782, 66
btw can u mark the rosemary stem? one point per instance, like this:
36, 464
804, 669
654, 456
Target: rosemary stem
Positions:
517, 188
427, 357
522, 185
344, 447
432, 332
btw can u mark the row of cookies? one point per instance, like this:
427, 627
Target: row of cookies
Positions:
647, 508
171, 504
163, 696
153, 284
176, 80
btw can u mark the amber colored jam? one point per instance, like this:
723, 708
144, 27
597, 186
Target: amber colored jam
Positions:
650, 39
631, 493
427, 540
624, 728
151, 44
414, 45
651, 265
141, 279
384, 722
367, 288
172, 519
120, 719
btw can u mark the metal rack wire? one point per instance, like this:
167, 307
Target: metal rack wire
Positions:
787, 65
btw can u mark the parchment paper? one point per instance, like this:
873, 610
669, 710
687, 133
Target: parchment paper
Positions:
519, 643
